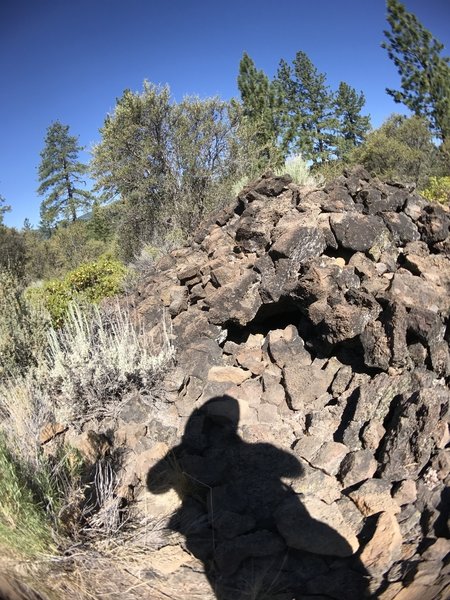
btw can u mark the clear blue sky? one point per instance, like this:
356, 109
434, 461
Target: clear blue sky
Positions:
69, 60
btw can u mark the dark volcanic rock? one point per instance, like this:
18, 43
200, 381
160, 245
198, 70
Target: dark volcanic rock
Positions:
313, 325
357, 232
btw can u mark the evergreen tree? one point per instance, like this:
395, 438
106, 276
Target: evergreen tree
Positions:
306, 109
317, 120
424, 72
168, 163
401, 149
352, 126
3, 208
288, 104
259, 103
60, 176
27, 226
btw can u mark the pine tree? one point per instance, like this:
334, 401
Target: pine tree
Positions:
259, 103
353, 126
3, 208
60, 177
315, 140
424, 72
288, 104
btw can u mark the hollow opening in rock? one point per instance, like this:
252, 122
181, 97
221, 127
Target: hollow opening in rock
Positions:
278, 315
339, 252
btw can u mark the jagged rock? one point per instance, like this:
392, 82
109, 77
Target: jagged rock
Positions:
285, 345
374, 496
356, 467
433, 223
228, 374
299, 244
377, 201
401, 227
316, 482
408, 442
237, 302
255, 226
272, 186
306, 386
370, 404
405, 492
230, 554
92, 445
314, 526
338, 200
329, 457
357, 232
383, 549
323, 315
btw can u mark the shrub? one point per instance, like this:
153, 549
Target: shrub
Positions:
90, 283
27, 494
401, 149
22, 328
13, 255
298, 169
99, 355
38, 494
438, 190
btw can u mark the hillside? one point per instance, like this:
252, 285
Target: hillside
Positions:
298, 446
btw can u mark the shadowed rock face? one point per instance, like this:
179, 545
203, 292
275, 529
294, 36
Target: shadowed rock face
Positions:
240, 519
323, 316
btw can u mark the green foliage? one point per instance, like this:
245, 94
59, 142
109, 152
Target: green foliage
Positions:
3, 208
352, 126
307, 107
90, 282
438, 190
169, 163
298, 114
401, 149
13, 252
424, 72
60, 176
70, 245
259, 103
25, 527
22, 328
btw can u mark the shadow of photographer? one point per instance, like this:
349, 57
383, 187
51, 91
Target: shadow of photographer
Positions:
252, 532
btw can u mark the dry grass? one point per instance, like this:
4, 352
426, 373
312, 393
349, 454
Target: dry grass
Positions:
97, 357
298, 169
82, 373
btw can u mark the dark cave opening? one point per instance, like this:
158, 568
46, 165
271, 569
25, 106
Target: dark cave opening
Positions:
278, 315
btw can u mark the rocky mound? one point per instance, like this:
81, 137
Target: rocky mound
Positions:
299, 448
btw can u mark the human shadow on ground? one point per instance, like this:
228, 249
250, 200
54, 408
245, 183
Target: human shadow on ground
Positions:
251, 531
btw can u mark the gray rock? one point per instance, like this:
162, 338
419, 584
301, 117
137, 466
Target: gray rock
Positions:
374, 496
306, 386
401, 227
357, 232
408, 442
337, 200
299, 244
273, 186
434, 224
356, 467
309, 524
231, 553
